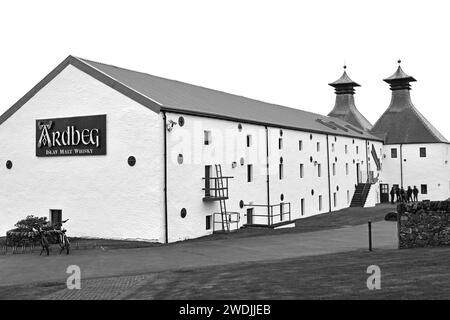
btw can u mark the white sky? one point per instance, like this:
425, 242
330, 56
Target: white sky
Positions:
283, 52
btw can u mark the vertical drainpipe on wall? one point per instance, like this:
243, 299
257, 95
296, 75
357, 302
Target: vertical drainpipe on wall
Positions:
401, 165
268, 175
166, 224
367, 160
329, 178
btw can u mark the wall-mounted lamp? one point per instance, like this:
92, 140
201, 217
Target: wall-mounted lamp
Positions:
170, 125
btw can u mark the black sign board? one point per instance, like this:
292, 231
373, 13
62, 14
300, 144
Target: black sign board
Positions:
76, 136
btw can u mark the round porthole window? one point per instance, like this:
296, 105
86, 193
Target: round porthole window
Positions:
180, 159
240, 127
312, 192
9, 164
183, 213
282, 197
131, 161
241, 204
181, 121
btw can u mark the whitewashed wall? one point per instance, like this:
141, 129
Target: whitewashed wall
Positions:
433, 170
185, 180
101, 195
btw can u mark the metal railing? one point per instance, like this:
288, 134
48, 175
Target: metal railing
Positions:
212, 189
270, 214
231, 219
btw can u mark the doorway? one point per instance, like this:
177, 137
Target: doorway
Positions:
384, 192
250, 216
357, 173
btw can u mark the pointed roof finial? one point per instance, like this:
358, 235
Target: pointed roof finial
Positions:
399, 80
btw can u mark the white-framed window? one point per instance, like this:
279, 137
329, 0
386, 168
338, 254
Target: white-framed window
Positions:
357, 149
335, 199
302, 206
320, 203
346, 149
207, 137
301, 170
249, 173
281, 171
318, 146
346, 169
348, 196
332, 147
334, 169
280, 143
300, 145
423, 152
249, 140
393, 153
319, 170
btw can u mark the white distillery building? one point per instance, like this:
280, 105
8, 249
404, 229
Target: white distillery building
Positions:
127, 155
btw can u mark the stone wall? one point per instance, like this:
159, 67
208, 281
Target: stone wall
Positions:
424, 224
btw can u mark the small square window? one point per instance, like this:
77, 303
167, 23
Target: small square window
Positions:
207, 137
423, 189
208, 223
300, 145
423, 152
393, 153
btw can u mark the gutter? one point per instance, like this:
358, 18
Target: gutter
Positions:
166, 223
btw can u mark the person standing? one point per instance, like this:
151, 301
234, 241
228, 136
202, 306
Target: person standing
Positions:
392, 194
409, 194
397, 193
415, 193
402, 195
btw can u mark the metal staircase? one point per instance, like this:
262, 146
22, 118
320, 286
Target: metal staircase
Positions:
360, 195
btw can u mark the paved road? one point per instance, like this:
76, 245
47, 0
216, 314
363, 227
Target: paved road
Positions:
23, 269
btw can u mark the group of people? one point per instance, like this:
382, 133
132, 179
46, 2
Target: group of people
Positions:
402, 195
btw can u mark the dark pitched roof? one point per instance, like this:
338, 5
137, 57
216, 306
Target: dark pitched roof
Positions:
169, 95
344, 80
345, 108
402, 122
